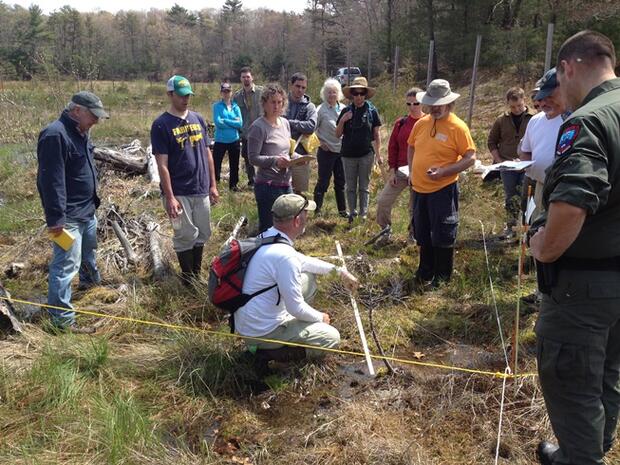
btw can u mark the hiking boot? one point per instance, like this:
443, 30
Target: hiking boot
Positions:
545, 452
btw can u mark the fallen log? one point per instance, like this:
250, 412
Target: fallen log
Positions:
8, 321
159, 268
131, 255
119, 161
151, 166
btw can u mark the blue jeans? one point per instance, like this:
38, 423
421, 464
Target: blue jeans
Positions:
266, 195
64, 266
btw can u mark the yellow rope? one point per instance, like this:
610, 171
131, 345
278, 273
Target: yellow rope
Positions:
495, 374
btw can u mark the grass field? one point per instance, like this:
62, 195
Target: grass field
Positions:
140, 394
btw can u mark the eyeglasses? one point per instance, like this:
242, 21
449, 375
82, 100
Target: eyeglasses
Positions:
414, 104
357, 94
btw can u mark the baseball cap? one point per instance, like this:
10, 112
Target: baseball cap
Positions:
547, 84
290, 205
179, 85
225, 86
92, 102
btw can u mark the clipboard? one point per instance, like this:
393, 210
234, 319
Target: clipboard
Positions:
301, 160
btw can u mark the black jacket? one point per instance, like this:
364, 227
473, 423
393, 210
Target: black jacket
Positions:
67, 177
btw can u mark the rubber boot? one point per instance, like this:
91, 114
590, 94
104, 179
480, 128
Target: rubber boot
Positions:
318, 199
197, 256
186, 261
341, 203
444, 263
426, 268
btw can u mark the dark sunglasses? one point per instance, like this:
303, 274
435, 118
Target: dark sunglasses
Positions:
357, 94
225, 90
414, 104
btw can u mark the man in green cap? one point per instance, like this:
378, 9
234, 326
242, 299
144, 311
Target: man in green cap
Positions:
181, 148
67, 184
577, 246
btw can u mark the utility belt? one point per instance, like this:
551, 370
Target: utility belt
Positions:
547, 273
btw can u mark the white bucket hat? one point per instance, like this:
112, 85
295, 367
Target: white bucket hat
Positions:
437, 93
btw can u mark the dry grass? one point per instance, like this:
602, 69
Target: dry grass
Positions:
136, 394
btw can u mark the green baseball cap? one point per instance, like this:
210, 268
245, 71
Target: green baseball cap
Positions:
291, 205
92, 102
179, 85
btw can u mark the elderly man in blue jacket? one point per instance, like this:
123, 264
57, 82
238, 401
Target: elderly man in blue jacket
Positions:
67, 184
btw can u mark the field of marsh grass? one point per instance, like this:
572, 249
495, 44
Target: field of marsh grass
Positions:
140, 394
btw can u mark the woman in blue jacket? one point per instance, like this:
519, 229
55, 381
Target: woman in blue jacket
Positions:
228, 122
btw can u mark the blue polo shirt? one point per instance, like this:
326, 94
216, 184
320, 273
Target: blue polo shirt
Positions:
66, 175
185, 141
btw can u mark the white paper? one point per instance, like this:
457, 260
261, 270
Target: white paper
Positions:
529, 211
404, 170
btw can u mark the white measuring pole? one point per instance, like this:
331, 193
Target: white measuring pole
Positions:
358, 320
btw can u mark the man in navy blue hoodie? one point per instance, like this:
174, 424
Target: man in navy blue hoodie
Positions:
67, 184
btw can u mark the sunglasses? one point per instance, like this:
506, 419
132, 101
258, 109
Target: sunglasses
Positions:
414, 104
357, 94
225, 91
306, 203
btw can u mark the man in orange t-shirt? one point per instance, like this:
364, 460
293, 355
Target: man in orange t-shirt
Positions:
440, 147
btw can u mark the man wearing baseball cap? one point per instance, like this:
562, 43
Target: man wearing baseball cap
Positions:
284, 312
181, 148
67, 184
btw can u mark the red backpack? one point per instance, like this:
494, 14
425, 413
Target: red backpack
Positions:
228, 271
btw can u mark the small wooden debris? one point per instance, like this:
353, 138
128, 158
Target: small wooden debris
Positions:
132, 257
159, 269
14, 270
8, 321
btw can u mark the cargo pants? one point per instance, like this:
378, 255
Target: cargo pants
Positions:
578, 358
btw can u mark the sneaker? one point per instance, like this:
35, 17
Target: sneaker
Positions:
383, 240
343, 214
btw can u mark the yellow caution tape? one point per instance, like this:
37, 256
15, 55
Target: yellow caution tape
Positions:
494, 374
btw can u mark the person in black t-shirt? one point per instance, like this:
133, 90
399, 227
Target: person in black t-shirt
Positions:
358, 125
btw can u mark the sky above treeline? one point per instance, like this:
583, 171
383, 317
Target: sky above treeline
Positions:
113, 6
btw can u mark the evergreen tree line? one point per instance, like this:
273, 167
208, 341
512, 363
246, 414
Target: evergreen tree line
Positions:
212, 44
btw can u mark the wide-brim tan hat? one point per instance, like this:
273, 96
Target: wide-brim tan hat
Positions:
359, 83
437, 93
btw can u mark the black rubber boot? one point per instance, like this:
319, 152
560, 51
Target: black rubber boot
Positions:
318, 199
197, 257
186, 261
341, 203
426, 268
444, 263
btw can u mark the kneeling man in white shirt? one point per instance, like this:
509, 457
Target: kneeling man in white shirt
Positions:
284, 313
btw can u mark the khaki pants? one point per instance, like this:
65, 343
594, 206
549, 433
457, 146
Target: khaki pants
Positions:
196, 222
300, 177
315, 334
538, 191
387, 198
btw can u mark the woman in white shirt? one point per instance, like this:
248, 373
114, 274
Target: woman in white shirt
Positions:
328, 155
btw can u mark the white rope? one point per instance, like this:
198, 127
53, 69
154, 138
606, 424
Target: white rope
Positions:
501, 335
499, 323
501, 416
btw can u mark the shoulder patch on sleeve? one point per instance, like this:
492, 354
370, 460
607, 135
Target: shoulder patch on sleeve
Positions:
567, 139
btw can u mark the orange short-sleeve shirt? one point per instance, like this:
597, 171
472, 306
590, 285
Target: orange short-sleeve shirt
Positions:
437, 143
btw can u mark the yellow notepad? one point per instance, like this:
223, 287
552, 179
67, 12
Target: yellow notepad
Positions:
64, 239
